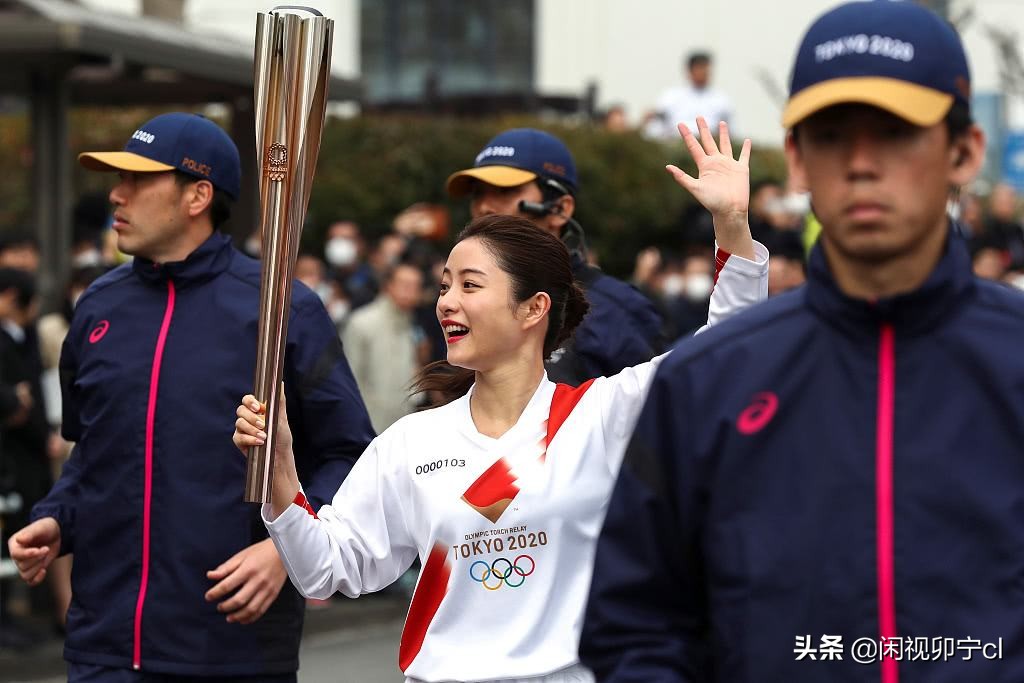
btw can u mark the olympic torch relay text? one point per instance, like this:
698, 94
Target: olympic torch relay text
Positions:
906, 649
498, 541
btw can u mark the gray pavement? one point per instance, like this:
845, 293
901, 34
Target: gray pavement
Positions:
348, 641
367, 655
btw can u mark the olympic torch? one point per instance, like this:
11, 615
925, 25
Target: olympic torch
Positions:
292, 68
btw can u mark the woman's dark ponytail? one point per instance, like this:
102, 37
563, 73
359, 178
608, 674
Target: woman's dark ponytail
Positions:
576, 307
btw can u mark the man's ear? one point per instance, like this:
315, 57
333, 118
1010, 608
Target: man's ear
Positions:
567, 205
966, 156
795, 162
564, 209
8, 300
199, 197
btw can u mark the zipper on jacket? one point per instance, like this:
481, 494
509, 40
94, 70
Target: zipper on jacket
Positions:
884, 533
147, 496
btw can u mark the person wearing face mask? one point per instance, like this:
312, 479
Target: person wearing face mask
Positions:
685, 295
697, 287
341, 252
338, 302
89, 219
311, 271
344, 251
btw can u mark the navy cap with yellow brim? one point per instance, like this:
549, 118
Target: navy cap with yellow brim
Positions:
514, 157
897, 56
121, 161
911, 102
178, 141
460, 184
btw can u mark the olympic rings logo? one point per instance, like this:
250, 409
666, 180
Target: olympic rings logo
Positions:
501, 571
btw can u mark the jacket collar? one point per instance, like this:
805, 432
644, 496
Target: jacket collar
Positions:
207, 261
916, 312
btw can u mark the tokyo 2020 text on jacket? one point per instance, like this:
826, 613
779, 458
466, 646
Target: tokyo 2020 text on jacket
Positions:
853, 470
505, 528
151, 499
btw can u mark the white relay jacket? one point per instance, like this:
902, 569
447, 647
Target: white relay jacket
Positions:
505, 528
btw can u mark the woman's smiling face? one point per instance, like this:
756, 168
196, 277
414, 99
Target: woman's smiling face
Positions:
476, 308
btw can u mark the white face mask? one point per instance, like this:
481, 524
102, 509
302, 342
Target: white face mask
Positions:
252, 247
797, 203
338, 311
698, 287
340, 252
87, 259
324, 291
673, 285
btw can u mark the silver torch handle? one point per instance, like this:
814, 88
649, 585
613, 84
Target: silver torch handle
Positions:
292, 69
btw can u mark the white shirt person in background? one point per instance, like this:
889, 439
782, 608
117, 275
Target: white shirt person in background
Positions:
501, 491
684, 103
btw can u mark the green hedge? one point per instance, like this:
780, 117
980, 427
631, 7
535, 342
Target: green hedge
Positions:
372, 168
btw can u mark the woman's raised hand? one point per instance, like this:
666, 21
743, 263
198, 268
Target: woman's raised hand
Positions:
722, 184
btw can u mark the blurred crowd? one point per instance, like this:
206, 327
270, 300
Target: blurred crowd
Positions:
993, 227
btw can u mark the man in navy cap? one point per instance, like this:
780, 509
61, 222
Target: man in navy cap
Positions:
173, 574
530, 173
829, 486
